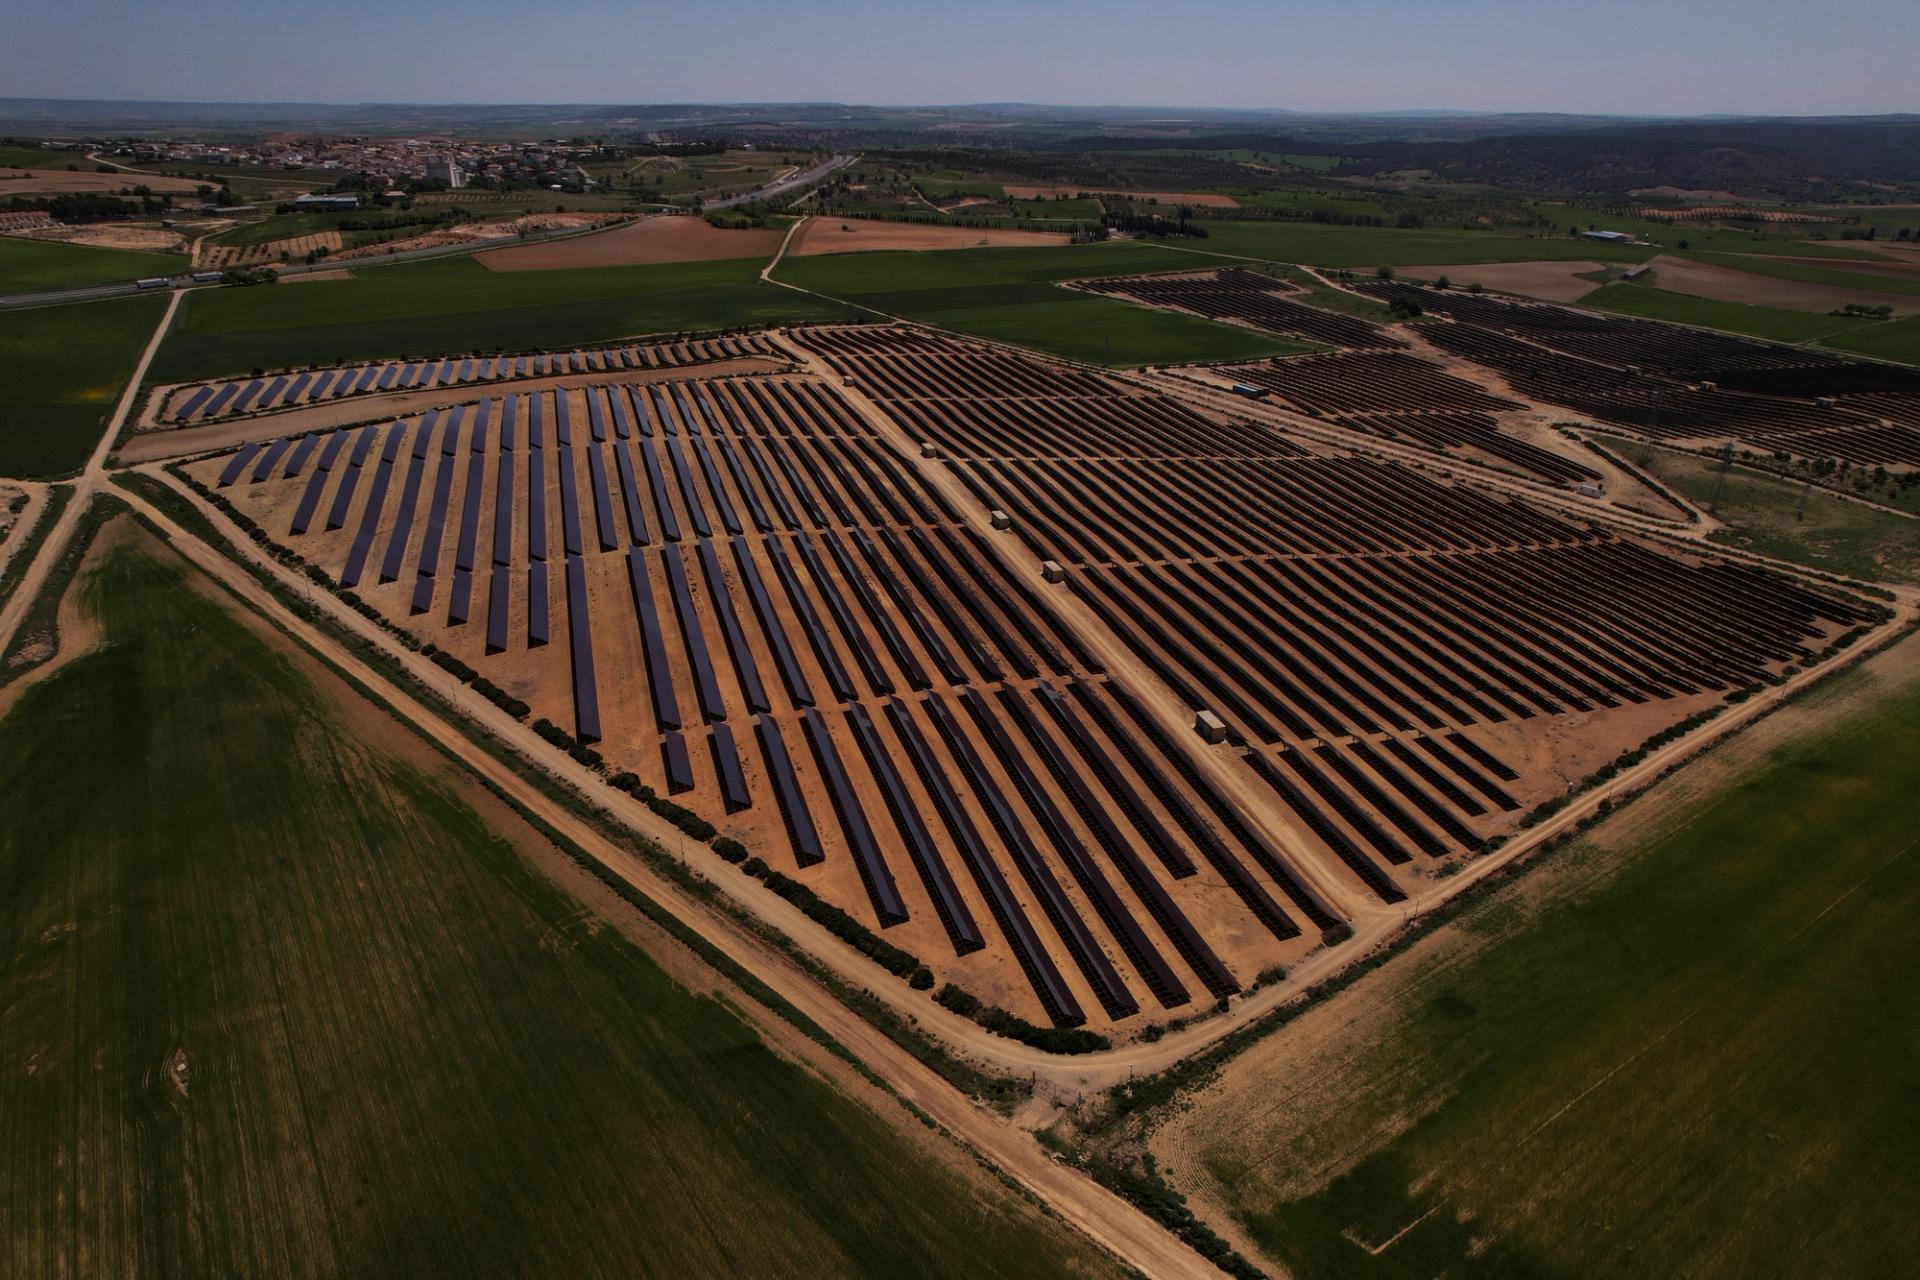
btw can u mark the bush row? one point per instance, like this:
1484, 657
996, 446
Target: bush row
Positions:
1014, 1027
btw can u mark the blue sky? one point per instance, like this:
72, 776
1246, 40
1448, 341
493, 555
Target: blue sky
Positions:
1684, 57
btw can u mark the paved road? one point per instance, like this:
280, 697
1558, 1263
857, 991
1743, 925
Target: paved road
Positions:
786, 185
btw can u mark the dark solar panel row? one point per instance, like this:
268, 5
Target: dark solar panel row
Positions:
499, 601
817, 637
596, 414
630, 493
952, 909
726, 763
321, 381
409, 500
503, 486
1096, 810
1107, 904
569, 502
642, 419
786, 789
586, 690
463, 547
669, 524
247, 393
773, 489
430, 540
236, 464
272, 393
536, 482
790, 673
758, 512
712, 706
876, 612
221, 397
536, 602
343, 496
376, 499
666, 706
1223, 811
683, 476
562, 419
1056, 997
602, 507
850, 628
263, 465
317, 482
744, 665
983, 659
622, 416
678, 762
909, 609
872, 865
297, 461
194, 401
460, 598
729, 518
1080, 943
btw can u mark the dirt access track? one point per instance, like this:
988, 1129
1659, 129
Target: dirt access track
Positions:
859, 235
667, 238
1206, 199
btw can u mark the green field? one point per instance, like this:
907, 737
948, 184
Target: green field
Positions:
29, 266
455, 304
1837, 275
1895, 340
1777, 323
1762, 514
281, 1003
63, 368
1010, 295
1685, 1050
1705, 238
1320, 245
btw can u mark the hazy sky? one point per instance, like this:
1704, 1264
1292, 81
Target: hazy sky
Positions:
1631, 56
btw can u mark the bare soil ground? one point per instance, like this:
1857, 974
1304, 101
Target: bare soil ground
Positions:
860, 235
467, 233
315, 277
219, 257
1704, 280
39, 182
668, 238
1552, 281
1206, 199
108, 236
1908, 268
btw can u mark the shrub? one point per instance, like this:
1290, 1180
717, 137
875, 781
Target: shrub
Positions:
1336, 933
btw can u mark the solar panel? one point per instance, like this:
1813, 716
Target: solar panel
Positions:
817, 636
679, 765
460, 598
666, 706
726, 764
662, 506
268, 458
712, 706
194, 401
499, 603
630, 493
875, 875
298, 385
236, 464
343, 496
470, 511
743, 662
596, 415
586, 691
786, 789
219, 402
790, 673
728, 516
536, 490
376, 499
272, 392
537, 602
602, 507
569, 502
696, 512
247, 394
409, 502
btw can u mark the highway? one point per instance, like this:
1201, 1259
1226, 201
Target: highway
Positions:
124, 288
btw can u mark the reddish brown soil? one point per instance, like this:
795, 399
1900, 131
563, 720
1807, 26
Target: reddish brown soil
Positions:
668, 238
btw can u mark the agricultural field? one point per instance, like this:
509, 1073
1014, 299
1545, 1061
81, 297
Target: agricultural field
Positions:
1321, 245
29, 266
1821, 530
1898, 340
1781, 241
63, 368
644, 242
1681, 1047
1010, 295
456, 304
1777, 324
341, 1012
775, 598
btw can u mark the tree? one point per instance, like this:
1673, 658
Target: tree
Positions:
1383, 272
1443, 283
